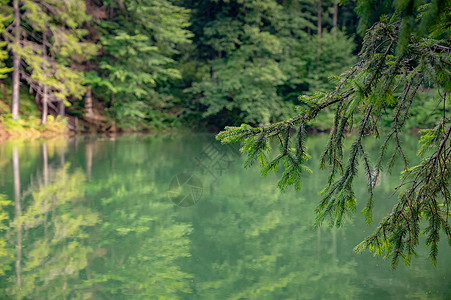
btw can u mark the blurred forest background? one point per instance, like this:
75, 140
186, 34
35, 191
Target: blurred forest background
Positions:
143, 65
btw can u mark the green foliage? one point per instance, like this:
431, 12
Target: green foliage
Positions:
415, 17
247, 62
425, 113
385, 77
56, 26
335, 58
139, 43
258, 56
29, 126
246, 79
370, 12
56, 218
5, 252
5, 18
27, 101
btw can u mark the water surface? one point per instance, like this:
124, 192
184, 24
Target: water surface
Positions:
177, 217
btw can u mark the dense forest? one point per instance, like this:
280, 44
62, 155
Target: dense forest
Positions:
265, 72
119, 65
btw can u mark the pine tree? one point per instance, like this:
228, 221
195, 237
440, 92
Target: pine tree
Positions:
401, 55
240, 53
243, 71
13, 40
5, 16
139, 40
254, 56
335, 57
47, 45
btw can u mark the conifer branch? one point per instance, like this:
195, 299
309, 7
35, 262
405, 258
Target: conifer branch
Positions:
381, 80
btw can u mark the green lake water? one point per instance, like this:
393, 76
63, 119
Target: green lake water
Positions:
178, 217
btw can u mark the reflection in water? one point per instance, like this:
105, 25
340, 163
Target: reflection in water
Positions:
17, 202
50, 232
89, 153
92, 220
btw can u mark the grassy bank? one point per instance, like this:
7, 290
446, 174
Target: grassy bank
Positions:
30, 127
29, 124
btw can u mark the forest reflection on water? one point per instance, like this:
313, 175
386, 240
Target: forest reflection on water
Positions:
91, 218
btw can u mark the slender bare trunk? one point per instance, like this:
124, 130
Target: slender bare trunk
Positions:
16, 64
88, 100
18, 210
334, 30
61, 109
76, 124
319, 29
45, 99
335, 16
45, 106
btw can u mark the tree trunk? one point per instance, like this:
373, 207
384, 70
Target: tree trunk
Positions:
18, 211
319, 29
16, 64
45, 99
111, 98
88, 100
61, 109
76, 124
45, 106
335, 17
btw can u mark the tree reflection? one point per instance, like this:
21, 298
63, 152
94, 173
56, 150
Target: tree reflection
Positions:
49, 230
254, 243
91, 220
141, 244
18, 213
6, 249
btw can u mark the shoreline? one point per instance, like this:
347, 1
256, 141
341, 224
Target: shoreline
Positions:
46, 132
